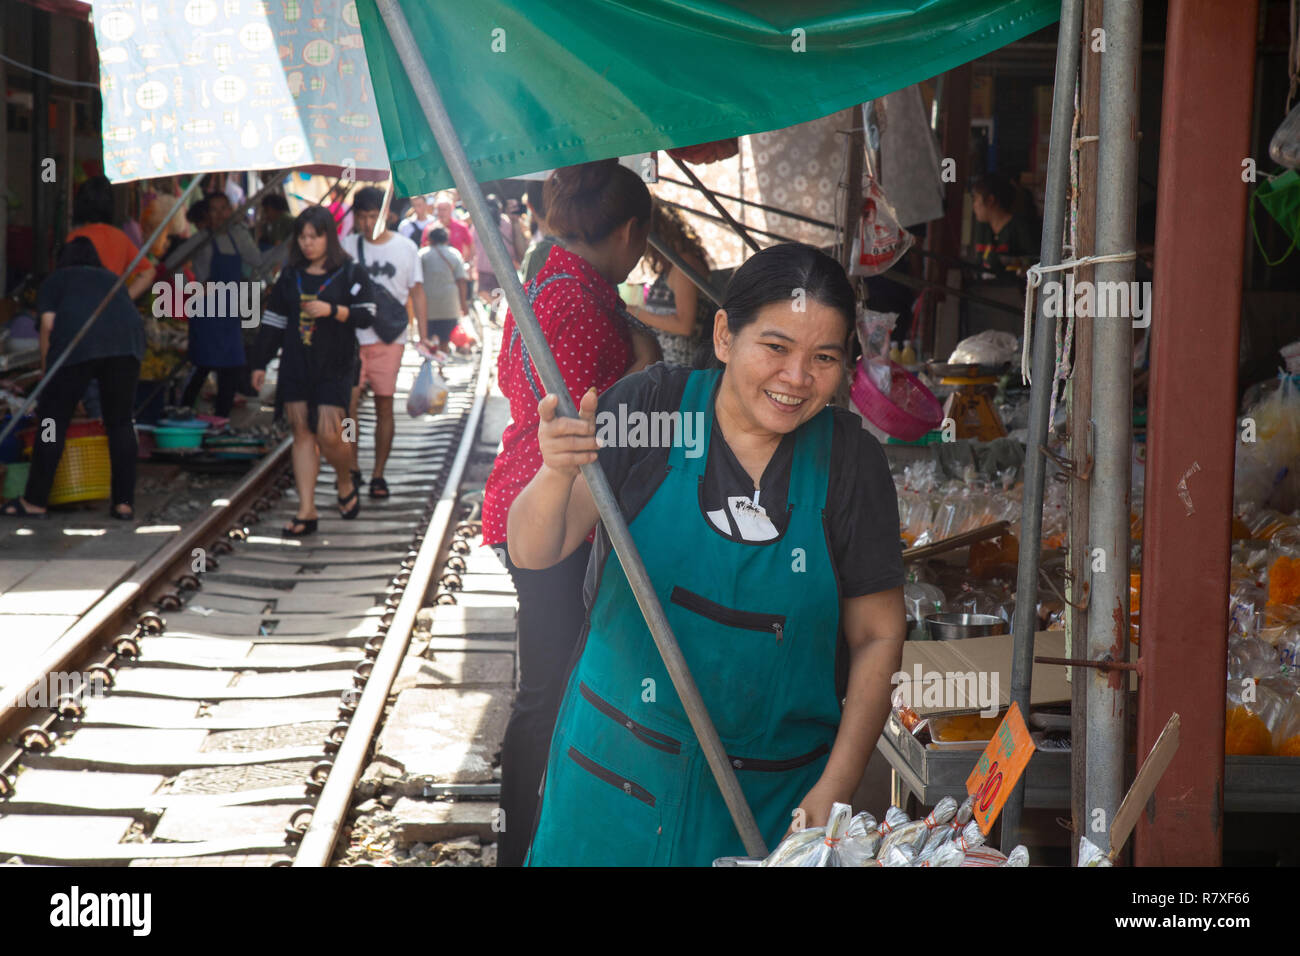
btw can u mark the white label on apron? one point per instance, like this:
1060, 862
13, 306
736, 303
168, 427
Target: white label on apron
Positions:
751, 520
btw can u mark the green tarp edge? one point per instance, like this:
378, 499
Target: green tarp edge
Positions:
532, 85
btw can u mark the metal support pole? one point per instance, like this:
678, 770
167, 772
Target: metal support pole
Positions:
1112, 412
615, 525
1080, 416
4, 174
81, 334
713, 201
1191, 430
41, 193
1025, 624
853, 187
701, 281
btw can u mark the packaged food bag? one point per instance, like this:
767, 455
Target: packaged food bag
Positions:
814, 846
879, 241
860, 842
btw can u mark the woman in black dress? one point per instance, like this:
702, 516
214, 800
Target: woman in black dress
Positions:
321, 298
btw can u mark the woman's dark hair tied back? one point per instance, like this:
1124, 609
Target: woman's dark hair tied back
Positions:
777, 274
589, 201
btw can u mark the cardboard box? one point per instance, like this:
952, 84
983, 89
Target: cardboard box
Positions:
989, 659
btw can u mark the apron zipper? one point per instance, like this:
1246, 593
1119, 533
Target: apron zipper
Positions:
746, 620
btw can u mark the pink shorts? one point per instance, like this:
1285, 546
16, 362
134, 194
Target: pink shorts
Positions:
379, 365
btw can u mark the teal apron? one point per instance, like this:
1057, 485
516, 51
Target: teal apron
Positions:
626, 782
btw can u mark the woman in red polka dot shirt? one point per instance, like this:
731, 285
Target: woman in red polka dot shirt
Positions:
600, 215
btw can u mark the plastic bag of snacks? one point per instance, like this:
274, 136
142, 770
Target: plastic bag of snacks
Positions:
815, 846
1284, 567
1286, 735
945, 837
1266, 469
1255, 709
874, 331
861, 840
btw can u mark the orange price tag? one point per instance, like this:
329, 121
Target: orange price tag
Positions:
999, 767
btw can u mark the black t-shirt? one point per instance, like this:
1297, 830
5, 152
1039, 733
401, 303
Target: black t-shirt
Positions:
321, 349
861, 510
72, 293
1019, 239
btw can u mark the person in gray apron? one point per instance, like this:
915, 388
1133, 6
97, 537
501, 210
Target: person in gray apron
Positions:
216, 338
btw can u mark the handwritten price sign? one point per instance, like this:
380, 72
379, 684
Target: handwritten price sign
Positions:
999, 767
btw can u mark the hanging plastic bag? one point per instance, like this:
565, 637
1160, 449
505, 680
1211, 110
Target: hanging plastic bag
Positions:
429, 393
879, 241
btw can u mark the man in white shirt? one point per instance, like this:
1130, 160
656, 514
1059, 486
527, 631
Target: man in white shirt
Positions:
421, 219
393, 263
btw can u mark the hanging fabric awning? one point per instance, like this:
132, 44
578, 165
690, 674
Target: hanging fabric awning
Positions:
532, 84
209, 86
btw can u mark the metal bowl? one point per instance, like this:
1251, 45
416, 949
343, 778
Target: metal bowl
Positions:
951, 627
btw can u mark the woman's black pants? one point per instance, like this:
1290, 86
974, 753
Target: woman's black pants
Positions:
228, 380
117, 376
551, 618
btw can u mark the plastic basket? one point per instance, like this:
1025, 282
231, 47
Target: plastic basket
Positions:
907, 412
83, 473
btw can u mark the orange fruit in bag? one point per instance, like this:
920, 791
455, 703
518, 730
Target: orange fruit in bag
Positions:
1290, 747
1246, 734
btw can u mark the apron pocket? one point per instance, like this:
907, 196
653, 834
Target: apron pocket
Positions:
777, 766
644, 734
736, 658
611, 778
747, 620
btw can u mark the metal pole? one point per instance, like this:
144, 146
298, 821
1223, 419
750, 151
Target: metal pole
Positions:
4, 175
755, 204
454, 155
1112, 410
108, 296
1080, 416
701, 281
853, 188
1025, 623
713, 201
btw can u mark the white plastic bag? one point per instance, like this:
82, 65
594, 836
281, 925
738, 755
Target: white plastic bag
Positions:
428, 394
989, 347
879, 241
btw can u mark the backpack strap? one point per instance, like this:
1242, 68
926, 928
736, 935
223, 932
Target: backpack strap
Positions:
534, 289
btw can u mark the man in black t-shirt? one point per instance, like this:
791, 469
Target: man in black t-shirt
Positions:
1005, 241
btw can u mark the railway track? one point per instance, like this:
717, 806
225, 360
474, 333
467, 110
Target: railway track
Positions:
218, 707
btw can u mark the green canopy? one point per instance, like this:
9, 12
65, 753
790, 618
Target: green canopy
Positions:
536, 84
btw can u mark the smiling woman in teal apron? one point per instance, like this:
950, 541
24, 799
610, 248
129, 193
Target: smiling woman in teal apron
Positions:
768, 524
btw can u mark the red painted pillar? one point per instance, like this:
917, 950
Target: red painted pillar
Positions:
1196, 320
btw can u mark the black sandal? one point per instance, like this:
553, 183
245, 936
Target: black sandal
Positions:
122, 516
13, 508
299, 528
355, 509
379, 488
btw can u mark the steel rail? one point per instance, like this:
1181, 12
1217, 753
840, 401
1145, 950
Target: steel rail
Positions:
335, 799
